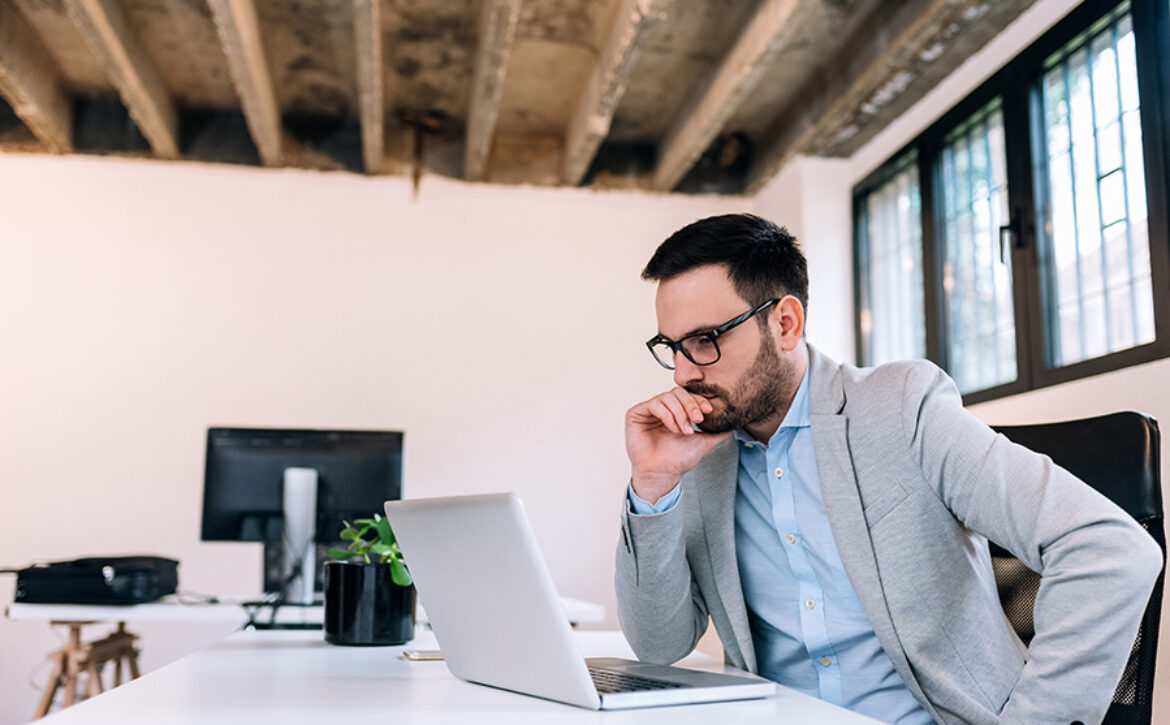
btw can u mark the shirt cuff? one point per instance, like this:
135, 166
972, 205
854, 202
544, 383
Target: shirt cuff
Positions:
641, 507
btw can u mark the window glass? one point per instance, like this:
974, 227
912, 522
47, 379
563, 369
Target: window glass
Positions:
893, 320
976, 268
1094, 251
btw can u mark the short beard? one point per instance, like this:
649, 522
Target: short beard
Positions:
767, 385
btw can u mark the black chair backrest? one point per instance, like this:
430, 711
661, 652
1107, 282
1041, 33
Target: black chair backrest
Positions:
1119, 456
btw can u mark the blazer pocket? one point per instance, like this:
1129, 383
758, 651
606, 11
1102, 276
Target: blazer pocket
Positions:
884, 502
977, 637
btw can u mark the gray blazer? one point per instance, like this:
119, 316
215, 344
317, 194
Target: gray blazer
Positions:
912, 485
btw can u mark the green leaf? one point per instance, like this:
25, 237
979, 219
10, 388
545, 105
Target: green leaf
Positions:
359, 548
339, 553
364, 522
399, 573
384, 532
349, 533
379, 548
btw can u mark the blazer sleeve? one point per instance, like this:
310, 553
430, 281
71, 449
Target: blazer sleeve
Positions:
1097, 565
659, 606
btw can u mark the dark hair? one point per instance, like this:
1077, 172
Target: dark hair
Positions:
763, 259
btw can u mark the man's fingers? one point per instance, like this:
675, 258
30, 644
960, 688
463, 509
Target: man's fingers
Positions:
681, 416
675, 410
693, 404
659, 410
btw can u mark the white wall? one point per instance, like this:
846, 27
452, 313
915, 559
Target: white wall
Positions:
141, 302
811, 196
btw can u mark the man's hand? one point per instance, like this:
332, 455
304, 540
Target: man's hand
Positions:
661, 443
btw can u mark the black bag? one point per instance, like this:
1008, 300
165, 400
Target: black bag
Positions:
98, 580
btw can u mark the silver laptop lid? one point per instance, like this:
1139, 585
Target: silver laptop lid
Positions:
489, 596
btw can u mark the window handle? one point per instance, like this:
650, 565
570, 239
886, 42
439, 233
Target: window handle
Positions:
1008, 232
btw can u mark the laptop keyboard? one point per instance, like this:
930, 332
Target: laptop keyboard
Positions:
608, 681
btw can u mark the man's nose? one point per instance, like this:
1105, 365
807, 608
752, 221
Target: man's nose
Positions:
686, 371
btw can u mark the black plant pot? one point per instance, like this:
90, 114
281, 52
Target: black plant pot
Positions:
363, 605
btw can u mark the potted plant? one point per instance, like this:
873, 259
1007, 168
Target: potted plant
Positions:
369, 594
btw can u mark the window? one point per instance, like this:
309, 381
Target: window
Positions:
976, 274
1040, 252
1093, 242
893, 321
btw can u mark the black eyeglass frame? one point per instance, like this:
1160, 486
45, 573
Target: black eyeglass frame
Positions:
713, 334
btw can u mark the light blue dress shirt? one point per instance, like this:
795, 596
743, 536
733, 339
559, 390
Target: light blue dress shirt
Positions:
809, 630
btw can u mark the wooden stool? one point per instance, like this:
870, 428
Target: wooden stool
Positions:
79, 658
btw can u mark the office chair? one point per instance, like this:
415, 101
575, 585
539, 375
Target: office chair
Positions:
1118, 455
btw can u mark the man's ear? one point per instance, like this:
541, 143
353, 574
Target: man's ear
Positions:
789, 315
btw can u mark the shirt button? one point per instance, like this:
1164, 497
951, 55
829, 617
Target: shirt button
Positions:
791, 538
810, 603
779, 472
825, 662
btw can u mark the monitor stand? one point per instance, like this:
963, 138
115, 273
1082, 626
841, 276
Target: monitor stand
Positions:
300, 531
290, 564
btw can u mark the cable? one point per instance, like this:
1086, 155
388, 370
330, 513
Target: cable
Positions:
38, 668
283, 594
275, 600
35, 672
295, 572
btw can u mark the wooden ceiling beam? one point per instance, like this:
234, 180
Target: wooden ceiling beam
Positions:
106, 31
738, 74
367, 27
890, 67
30, 82
238, 27
497, 29
607, 84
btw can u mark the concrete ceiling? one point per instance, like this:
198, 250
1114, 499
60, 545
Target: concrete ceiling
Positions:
669, 95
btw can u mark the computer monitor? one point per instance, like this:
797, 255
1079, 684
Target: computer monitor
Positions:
244, 482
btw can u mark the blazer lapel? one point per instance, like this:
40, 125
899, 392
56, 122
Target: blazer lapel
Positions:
718, 474
830, 430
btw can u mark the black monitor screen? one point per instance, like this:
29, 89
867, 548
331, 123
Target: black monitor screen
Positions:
244, 478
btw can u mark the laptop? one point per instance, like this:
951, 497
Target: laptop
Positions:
499, 622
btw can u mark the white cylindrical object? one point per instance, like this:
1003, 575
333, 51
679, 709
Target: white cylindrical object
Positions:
300, 523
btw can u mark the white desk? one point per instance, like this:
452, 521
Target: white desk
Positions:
167, 609
294, 677
170, 610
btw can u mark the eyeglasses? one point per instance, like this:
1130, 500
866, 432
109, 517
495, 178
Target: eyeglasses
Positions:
700, 348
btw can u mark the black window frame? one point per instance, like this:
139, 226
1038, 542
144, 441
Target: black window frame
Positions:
1016, 84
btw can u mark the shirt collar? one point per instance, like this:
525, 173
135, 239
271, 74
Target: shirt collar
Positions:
796, 417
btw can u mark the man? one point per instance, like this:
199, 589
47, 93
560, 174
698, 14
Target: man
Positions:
833, 521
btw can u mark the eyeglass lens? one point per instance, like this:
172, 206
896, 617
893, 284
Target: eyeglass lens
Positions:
700, 349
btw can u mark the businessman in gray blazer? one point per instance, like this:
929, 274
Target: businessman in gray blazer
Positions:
832, 521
